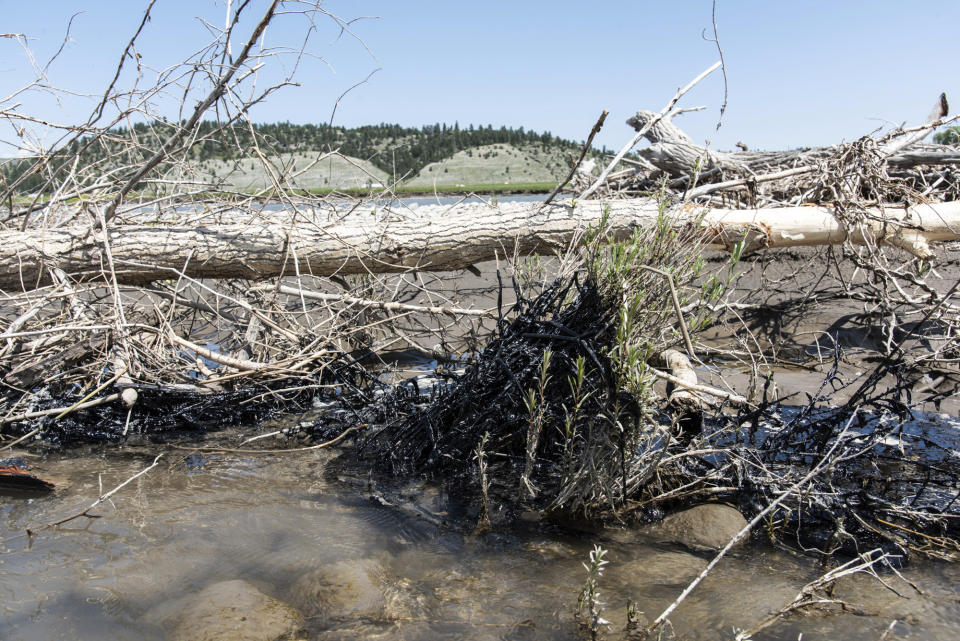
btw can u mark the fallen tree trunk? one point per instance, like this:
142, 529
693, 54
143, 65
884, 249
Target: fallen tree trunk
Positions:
675, 153
434, 238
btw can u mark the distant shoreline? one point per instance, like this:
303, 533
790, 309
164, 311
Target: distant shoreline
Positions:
506, 190
516, 189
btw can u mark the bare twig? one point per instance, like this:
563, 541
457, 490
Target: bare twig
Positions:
664, 113
320, 446
389, 306
586, 147
676, 307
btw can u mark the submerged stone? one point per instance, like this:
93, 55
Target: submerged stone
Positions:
343, 590
228, 611
659, 568
866, 594
707, 527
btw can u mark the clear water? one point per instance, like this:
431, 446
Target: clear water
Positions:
277, 520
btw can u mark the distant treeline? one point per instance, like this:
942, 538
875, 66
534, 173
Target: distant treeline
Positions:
394, 149
947, 136
397, 150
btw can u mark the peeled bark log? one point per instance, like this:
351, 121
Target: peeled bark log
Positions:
674, 152
940, 155
686, 405
434, 238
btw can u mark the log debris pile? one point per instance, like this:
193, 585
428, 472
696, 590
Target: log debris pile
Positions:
138, 298
758, 179
140, 294
88, 355
558, 412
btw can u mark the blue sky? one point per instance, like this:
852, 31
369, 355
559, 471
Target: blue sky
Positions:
800, 73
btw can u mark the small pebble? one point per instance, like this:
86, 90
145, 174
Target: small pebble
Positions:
129, 396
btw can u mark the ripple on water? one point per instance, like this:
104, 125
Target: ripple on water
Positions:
286, 526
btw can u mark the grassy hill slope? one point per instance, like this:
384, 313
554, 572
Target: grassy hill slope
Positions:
430, 157
495, 166
306, 170
499, 164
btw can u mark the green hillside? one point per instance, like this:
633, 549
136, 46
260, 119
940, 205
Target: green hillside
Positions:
303, 170
498, 164
429, 157
492, 166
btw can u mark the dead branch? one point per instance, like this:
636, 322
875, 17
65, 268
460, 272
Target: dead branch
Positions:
100, 499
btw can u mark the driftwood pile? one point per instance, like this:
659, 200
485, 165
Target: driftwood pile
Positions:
923, 173
85, 359
138, 298
549, 418
556, 416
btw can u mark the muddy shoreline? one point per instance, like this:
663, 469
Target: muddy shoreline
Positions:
772, 312
782, 315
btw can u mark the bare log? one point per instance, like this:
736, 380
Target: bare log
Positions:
902, 140
687, 407
674, 152
434, 238
907, 159
437, 238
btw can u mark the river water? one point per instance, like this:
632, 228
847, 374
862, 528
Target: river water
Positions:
407, 201
405, 564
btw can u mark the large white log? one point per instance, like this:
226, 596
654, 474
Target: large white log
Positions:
434, 238
910, 228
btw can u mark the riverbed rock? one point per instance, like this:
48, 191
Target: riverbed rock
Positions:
549, 551
228, 611
343, 590
707, 527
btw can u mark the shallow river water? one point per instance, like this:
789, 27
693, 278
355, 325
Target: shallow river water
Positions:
292, 525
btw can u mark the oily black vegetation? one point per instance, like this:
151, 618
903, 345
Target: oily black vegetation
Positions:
486, 407
555, 415
399, 151
169, 413
559, 399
